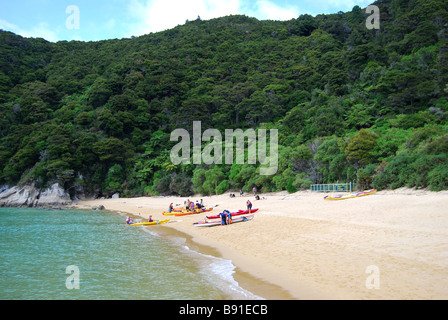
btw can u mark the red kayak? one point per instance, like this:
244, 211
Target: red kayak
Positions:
238, 213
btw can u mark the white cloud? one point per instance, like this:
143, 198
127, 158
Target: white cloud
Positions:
348, 4
41, 30
158, 15
333, 6
271, 11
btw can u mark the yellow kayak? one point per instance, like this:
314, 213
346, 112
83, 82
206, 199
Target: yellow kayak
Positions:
351, 195
150, 223
172, 213
186, 213
183, 213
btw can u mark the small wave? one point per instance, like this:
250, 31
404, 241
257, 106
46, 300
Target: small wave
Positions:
220, 272
152, 233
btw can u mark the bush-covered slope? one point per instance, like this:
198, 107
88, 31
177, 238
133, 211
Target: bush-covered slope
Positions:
349, 103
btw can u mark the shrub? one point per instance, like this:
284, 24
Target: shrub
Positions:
365, 176
223, 187
181, 184
290, 185
395, 174
302, 181
438, 177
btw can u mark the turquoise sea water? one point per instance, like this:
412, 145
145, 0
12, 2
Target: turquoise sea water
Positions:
115, 261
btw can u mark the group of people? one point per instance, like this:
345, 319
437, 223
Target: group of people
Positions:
130, 221
254, 190
226, 216
232, 195
189, 205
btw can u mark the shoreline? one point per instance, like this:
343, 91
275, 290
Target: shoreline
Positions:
300, 246
246, 280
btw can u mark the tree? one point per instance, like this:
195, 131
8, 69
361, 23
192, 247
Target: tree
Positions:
112, 150
109, 123
115, 179
198, 180
213, 177
332, 159
69, 111
359, 149
304, 25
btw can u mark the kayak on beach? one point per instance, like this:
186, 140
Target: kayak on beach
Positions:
234, 214
186, 213
218, 223
351, 195
183, 210
149, 223
172, 213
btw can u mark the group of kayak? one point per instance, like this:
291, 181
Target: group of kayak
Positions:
190, 208
224, 218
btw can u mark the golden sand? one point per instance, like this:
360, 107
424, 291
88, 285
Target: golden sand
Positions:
389, 245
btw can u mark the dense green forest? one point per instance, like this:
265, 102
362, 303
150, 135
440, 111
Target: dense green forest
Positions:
349, 103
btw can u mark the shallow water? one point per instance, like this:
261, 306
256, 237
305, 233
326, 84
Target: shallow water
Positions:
115, 261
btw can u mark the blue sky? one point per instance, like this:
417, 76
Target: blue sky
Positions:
110, 19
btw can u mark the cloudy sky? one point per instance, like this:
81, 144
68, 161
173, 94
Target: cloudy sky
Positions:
92, 20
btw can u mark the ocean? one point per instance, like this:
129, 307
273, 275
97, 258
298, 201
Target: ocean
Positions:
94, 255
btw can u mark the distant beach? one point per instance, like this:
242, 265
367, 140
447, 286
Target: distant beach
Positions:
389, 245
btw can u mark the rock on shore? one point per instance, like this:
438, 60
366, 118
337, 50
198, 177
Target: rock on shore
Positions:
29, 196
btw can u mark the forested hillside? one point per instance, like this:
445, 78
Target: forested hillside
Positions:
350, 104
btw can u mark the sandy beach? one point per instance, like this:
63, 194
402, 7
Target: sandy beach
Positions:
389, 245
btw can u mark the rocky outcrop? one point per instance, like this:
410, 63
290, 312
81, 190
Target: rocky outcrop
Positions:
29, 196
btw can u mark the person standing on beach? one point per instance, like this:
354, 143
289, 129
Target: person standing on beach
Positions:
249, 205
254, 190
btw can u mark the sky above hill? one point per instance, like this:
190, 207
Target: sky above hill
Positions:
92, 20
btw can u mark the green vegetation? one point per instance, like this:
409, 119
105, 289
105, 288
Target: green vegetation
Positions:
349, 103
